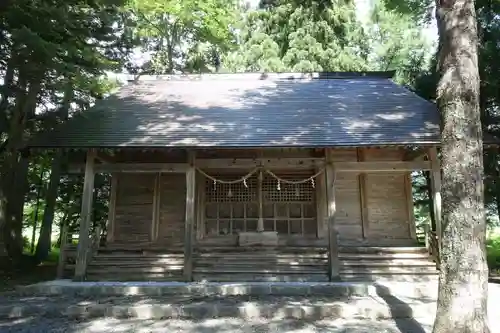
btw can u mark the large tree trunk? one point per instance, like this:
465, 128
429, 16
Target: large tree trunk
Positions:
496, 180
44, 241
463, 279
13, 172
37, 210
15, 208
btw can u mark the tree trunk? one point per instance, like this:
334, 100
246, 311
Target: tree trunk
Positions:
14, 169
430, 202
463, 279
37, 210
496, 181
15, 208
44, 241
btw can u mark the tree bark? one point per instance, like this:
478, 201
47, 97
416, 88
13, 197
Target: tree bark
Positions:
44, 241
463, 279
430, 202
15, 167
37, 210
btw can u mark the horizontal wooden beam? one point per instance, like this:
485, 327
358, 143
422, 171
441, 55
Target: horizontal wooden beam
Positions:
246, 164
412, 155
382, 166
271, 163
133, 168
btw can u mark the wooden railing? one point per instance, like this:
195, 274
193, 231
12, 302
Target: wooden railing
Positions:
68, 251
94, 244
63, 252
432, 244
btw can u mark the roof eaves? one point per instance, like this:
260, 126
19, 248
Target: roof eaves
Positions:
264, 76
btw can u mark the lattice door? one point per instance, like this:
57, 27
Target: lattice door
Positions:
232, 208
291, 209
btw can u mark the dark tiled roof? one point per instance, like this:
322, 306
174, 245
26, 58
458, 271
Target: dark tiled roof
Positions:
248, 110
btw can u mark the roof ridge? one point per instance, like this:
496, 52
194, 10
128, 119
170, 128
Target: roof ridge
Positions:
264, 76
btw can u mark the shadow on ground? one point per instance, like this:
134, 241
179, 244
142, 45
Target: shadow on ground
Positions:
221, 325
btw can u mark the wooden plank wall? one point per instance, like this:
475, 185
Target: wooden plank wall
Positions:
172, 209
347, 196
386, 199
386, 216
134, 207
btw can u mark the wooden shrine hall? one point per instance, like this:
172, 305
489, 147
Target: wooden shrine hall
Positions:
253, 177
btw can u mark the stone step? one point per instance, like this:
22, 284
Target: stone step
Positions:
329, 289
276, 308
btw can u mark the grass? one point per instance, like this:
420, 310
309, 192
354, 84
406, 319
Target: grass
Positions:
45, 271
493, 254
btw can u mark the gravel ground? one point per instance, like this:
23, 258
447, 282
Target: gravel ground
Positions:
225, 325
222, 325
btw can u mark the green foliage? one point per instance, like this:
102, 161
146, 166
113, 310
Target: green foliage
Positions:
182, 35
493, 252
420, 10
48, 48
397, 44
301, 37
313, 36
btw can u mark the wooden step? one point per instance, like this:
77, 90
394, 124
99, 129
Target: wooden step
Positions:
416, 278
251, 270
258, 264
134, 277
261, 268
97, 263
382, 249
297, 261
382, 256
389, 263
245, 249
126, 269
132, 256
137, 258
234, 277
389, 270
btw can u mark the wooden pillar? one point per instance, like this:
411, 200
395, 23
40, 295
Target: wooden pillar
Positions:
362, 196
110, 229
190, 220
62, 250
156, 209
200, 207
436, 191
260, 221
409, 206
321, 214
333, 254
85, 219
